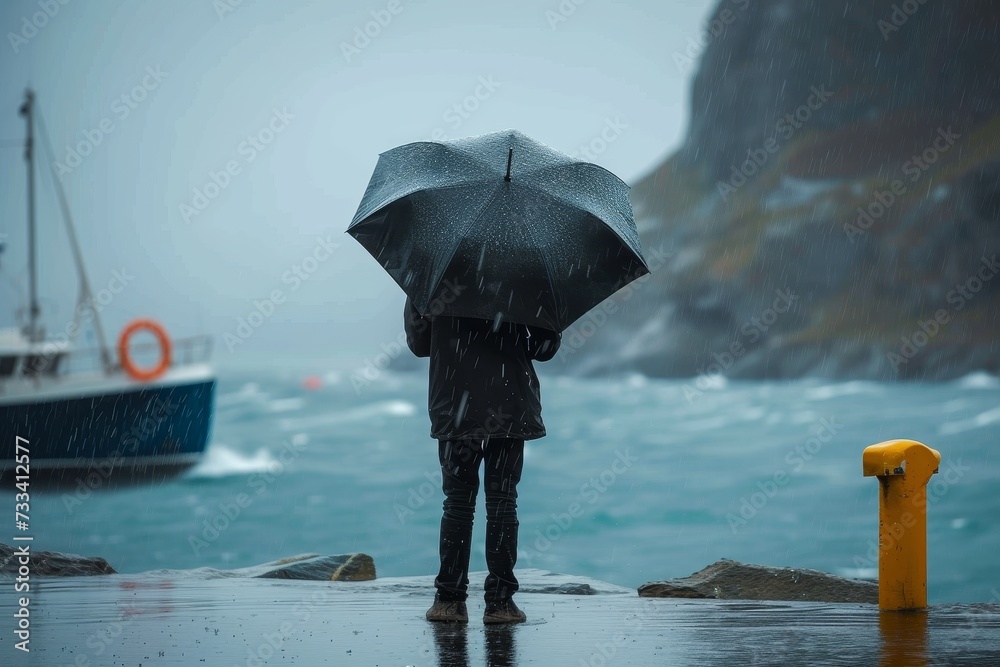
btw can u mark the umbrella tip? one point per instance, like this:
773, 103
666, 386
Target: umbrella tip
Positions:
510, 157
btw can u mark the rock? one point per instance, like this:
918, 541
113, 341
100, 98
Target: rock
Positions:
313, 567
53, 564
841, 153
731, 580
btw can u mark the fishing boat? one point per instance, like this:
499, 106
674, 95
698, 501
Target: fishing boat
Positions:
95, 418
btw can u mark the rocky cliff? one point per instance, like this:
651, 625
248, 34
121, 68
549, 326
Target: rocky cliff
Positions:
835, 210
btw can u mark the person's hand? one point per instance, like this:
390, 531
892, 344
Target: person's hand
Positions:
417, 328
543, 343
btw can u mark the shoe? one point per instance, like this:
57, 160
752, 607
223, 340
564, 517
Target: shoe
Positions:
504, 611
443, 611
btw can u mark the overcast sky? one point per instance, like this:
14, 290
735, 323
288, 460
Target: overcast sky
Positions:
288, 103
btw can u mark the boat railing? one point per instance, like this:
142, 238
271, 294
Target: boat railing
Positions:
60, 362
184, 351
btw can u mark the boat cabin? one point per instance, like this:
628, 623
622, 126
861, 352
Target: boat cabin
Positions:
19, 357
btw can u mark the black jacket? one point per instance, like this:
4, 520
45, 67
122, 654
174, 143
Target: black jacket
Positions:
482, 382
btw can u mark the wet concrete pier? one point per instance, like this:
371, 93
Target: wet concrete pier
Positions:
183, 618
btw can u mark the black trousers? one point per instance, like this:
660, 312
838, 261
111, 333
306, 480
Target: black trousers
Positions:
460, 460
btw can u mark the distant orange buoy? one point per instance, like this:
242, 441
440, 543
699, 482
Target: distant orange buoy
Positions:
312, 383
144, 374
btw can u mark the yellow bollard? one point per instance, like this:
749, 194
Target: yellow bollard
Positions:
903, 468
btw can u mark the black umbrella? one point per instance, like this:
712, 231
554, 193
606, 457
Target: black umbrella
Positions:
500, 227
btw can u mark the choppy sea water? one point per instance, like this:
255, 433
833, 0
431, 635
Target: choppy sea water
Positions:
638, 480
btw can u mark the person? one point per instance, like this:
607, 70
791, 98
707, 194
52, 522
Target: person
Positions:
484, 402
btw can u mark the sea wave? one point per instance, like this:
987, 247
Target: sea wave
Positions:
248, 393
978, 380
223, 461
828, 391
979, 421
286, 404
393, 408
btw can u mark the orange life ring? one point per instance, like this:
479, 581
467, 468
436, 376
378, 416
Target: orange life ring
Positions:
144, 374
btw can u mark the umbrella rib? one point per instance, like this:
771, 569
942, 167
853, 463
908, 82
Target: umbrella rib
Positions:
470, 154
475, 153
580, 163
548, 270
458, 237
563, 200
421, 189
571, 204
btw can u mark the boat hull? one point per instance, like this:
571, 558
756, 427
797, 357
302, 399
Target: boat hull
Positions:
109, 439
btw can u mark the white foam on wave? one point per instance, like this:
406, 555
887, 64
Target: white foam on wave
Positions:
222, 461
286, 404
248, 393
635, 380
708, 382
399, 408
857, 572
979, 421
978, 380
828, 391
395, 408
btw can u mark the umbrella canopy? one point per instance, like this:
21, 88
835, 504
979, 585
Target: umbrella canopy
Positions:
499, 227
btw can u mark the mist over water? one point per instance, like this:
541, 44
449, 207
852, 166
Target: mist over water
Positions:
216, 156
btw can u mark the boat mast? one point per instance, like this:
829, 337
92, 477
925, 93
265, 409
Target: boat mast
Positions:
86, 299
32, 332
